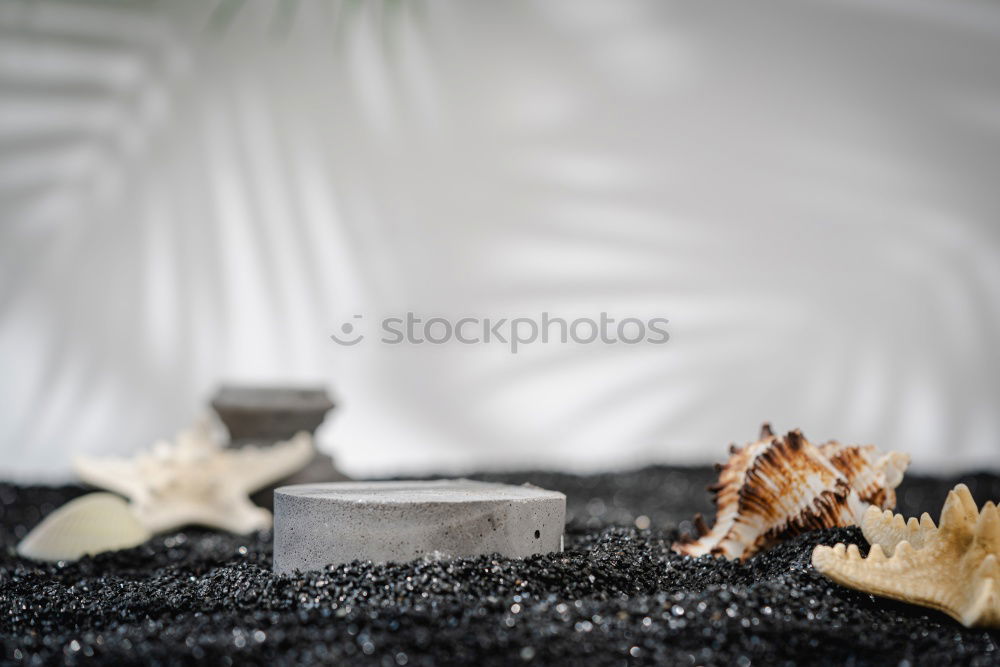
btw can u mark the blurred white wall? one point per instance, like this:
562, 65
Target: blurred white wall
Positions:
200, 191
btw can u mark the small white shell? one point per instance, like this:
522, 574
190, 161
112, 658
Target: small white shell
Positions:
89, 524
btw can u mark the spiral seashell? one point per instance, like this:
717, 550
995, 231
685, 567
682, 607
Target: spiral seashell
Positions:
779, 487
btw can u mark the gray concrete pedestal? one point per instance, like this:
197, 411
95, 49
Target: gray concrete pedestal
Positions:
320, 524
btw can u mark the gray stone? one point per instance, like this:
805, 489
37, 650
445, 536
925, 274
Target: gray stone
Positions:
262, 415
320, 524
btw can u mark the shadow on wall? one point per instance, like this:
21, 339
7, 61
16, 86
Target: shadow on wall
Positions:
186, 201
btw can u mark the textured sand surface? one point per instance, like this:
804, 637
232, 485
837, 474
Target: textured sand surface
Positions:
617, 595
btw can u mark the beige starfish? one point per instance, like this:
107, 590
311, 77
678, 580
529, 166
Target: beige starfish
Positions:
953, 567
197, 481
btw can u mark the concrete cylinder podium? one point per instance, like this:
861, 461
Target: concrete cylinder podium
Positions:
316, 525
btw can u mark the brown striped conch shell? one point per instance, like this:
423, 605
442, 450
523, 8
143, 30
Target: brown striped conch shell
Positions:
953, 567
779, 487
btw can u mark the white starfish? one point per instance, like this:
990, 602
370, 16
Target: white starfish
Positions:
197, 481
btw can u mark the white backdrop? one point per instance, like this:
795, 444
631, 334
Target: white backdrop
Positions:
194, 192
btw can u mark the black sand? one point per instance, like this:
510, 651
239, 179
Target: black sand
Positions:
617, 595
